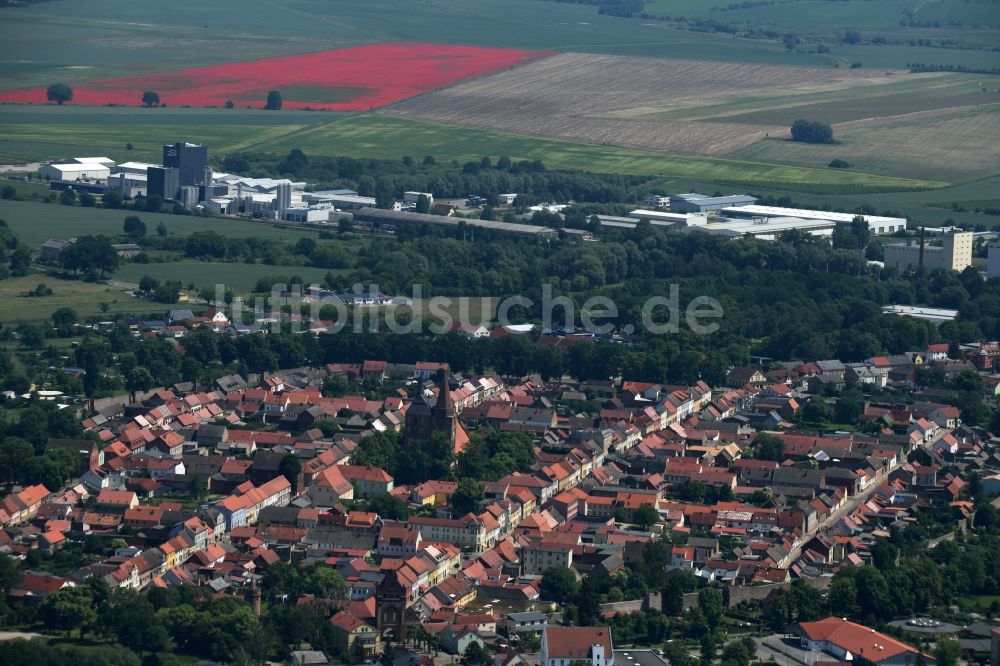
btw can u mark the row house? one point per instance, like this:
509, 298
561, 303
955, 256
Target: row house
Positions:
242, 508
22, 506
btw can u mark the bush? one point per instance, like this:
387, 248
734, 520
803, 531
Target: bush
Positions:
839, 164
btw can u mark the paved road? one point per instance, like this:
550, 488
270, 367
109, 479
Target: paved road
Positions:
11, 635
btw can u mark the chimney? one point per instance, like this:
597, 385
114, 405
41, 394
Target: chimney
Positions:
920, 261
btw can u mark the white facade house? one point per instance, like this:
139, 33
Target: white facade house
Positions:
563, 645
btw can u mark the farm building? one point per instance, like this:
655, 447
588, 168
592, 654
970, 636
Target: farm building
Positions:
507, 199
51, 249
74, 171
877, 224
954, 253
702, 203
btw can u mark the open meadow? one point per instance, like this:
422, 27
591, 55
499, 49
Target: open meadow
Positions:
239, 277
84, 297
34, 223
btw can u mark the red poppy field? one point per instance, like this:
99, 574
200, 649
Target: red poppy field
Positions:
350, 79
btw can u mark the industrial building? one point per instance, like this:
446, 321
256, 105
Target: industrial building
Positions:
877, 225
412, 197
692, 202
75, 171
954, 253
764, 228
656, 201
164, 182
378, 220
993, 259
660, 218
190, 160
933, 315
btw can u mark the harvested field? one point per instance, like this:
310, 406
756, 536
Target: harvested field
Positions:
614, 100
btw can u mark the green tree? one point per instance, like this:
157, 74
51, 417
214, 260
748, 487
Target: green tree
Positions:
290, 467
423, 204
60, 93
153, 204
768, 447
389, 507
167, 292
466, 499
112, 199
476, 655
808, 131
87, 200
273, 101
947, 652
712, 605
67, 197
134, 227
559, 584
148, 284
150, 98
646, 516
69, 608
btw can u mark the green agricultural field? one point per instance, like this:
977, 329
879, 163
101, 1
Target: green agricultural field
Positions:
30, 133
385, 137
84, 297
957, 146
43, 42
34, 223
238, 277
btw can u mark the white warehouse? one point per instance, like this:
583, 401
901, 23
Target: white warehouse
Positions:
877, 224
75, 171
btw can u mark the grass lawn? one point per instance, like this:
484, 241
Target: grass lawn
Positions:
237, 276
37, 222
84, 297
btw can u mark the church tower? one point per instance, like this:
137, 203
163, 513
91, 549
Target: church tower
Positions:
390, 609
